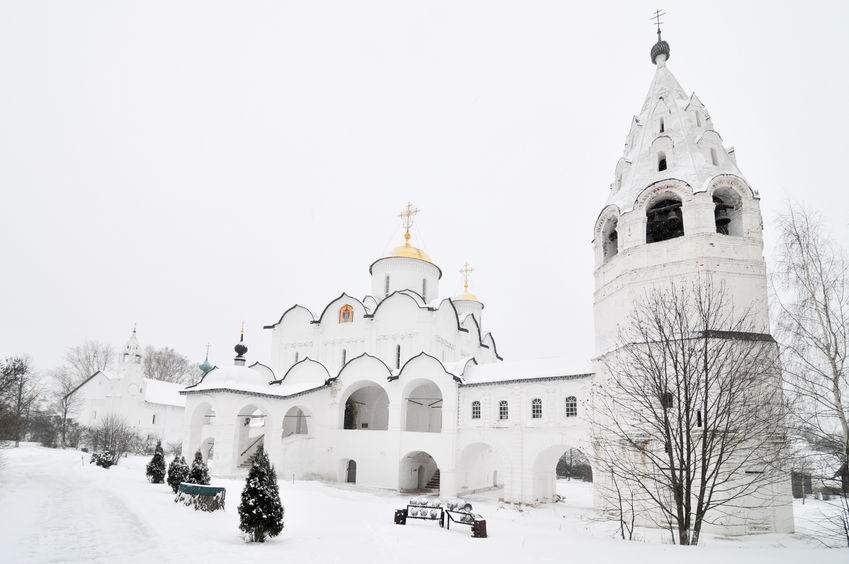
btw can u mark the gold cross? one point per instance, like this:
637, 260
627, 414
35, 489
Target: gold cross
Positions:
465, 272
406, 216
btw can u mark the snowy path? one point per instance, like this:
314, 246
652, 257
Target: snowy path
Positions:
55, 509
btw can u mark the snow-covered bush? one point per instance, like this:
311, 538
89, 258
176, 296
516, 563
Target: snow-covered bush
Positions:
156, 466
178, 471
103, 458
199, 474
261, 512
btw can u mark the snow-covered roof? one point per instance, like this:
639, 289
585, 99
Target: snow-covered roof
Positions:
517, 370
163, 393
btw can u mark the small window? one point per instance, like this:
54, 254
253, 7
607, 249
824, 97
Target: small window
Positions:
94, 414
126, 357
424, 289
346, 314
571, 406
662, 128
296, 357
138, 359
661, 161
667, 400
503, 411
699, 418
476, 410
397, 357
386, 286
344, 356
153, 419
698, 120
536, 409
713, 158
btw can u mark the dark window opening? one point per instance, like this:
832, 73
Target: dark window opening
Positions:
503, 410
661, 161
666, 400
571, 406
476, 410
610, 239
699, 418
398, 357
665, 220
536, 409
662, 128
344, 356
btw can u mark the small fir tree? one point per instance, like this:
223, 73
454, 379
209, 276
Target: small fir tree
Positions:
156, 466
261, 512
178, 472
199, 474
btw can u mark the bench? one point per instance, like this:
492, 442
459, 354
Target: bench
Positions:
420, 509
203, 498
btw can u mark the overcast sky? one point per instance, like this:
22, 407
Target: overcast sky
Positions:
190, 165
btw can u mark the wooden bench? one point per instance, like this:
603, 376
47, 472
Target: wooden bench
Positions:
203, 498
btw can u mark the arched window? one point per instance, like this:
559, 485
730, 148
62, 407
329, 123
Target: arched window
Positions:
346, 314
536, 408
571, 406
662, 128
138, 359
661, 161
610, 239
503, 410
664, 219
476, 410
713, 159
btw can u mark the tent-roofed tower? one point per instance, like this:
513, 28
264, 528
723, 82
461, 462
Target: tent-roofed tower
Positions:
678, 206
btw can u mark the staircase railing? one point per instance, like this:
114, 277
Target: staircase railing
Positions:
252, 445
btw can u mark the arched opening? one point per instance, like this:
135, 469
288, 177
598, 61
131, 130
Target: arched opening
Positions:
418, 472
480, 467
366, 408
295, 422
661, 161
664, 219
207, 451
727, 212
610, 239
351, 471
202, 419
423, 408
564, 471
250, 434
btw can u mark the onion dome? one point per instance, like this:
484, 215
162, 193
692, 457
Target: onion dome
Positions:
241, 349
205, 366
661, 47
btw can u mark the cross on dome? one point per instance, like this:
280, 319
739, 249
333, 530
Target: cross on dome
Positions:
465, 271
407, 215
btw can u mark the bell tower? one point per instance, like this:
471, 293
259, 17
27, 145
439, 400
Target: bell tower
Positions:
678, 207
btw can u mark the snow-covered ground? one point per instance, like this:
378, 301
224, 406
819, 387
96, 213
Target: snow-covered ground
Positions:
55, 507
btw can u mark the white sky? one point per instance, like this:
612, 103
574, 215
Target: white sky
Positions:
189, 165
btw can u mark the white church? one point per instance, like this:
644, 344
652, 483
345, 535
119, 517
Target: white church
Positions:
404, 389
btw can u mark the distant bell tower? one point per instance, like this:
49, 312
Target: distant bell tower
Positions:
678, 207
130, 357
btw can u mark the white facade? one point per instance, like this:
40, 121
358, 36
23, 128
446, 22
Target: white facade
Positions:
153, 408
402, 390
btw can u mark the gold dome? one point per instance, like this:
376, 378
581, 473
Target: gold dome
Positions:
467, 296
408, 251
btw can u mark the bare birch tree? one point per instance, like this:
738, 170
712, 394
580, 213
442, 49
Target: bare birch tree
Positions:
690, 422
87, 358
813, 323
168, 365
66, 401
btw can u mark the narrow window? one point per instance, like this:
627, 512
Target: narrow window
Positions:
424, 289
386, 286
713, 158
94, 414
661, 125
126, 357
664, 220
344, 356
661, 161
296, 357
503, 411
536, 409
667, 400
397, 357
698, 120
153, 420
699, 418
571, 406
476, 410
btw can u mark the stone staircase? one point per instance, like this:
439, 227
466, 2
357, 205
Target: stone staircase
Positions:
249, 461
433, 483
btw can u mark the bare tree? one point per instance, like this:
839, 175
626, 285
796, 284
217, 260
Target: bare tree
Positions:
167, 365
87, 358
689, 419
813, 300
66, 401
19, 392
